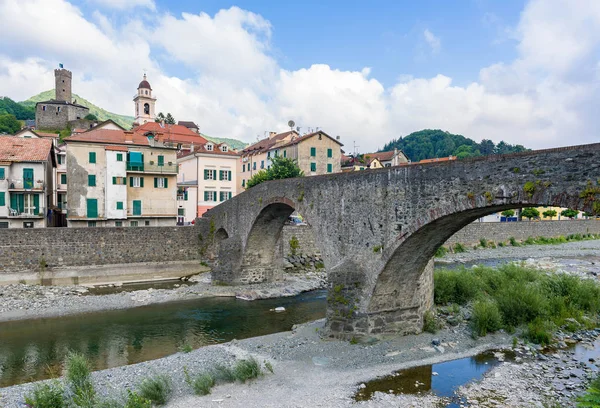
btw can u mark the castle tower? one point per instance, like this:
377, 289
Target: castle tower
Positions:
144, 103
62, 86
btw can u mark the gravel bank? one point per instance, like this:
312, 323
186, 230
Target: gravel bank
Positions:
19, 302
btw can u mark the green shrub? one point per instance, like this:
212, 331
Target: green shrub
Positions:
294, 245
514, 242
483, 243
186, 348
46, 396
223, 374
591, 398
157, 389
79, 379
486, 317
459, 248
520, 303
134, 400
455, 286
440, 252
202, 384
245, 370
319, 265
269, 367
430, 324
539, 332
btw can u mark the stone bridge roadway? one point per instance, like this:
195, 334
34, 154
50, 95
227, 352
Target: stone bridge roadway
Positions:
379, 229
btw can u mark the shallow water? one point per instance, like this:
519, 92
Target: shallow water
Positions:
34, 349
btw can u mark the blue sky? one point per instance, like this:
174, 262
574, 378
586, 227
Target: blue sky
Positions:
525, 72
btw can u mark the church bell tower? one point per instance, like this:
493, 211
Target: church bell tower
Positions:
144, 104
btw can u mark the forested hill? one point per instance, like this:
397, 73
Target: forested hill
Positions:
430, 143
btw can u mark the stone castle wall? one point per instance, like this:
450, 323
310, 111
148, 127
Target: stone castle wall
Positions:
503, 231
26, 249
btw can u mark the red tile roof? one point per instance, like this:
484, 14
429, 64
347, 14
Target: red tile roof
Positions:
173, 133
308, 136
109, 136
381, 156
266, 144
116, 148
17, 149
216, 150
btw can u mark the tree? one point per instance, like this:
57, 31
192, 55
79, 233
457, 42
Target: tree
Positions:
281, 168
549, 213
508, 213
90, 116
170, 119
530, 213
160, 117
569, 213
9, 124
486, 147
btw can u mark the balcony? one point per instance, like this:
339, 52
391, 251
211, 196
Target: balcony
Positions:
25, 185
152, 167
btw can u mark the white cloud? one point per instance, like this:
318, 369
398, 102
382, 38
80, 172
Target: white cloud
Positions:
433, 41
234, 87
125, 4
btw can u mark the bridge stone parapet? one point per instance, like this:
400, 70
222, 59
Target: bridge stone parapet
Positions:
378, 230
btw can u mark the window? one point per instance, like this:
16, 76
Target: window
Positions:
57, 109
210, 174
119, 205
329, 167
44, 107
25, 203
28, 178
161, 182
91, 180
243, 168
285, 153
222, 195
2, 198
137, 207
119, 181
262, 164
120, 157
118, 223
60, 159
147, 223
225, 175
2, 173
136, 182
268, 155
210, 196
313, 152
92, 208
92, 224
4, 224
92, 157
244, 183
133, 223
63, 179
181, 211
224, 148
161, 160
209, 147
329, 152
313, 167
254, 166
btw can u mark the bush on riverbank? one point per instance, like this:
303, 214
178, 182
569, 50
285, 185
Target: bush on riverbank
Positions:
513, 295
591, 398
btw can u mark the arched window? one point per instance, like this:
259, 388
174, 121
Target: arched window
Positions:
147, 109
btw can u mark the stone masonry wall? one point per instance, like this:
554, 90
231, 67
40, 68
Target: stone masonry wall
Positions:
502, 231
305, 236
26, 249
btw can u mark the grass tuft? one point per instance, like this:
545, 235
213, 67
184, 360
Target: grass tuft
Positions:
134, 400
156, 389
245, 370
430, 324
486, 317
79, 379
46, 396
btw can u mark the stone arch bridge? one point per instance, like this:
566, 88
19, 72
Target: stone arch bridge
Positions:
379, 229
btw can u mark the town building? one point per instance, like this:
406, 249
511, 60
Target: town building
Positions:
177, 134
316, 153
119, 178
190, 125
26, 177
207, 177
145, 104
376, 160
56, 113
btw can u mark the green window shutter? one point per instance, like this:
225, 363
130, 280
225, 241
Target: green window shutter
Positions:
155, 182
329, 167
91, 180
329, 152
2, 199
285, 153
206, 174
92, 157
114, 180
161, 160
229, 195
206, 196
229, 175
137, 207
2, 173
141, 182
243, 182
185, 195
36, 204
313, 167
166, 182
63, 179
214, 174
92, 208
243, 168
120, 157
220, 174
28, 178
119, 205
13, 201
313, 151
130, 181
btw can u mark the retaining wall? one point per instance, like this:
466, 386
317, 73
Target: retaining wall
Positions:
502, 231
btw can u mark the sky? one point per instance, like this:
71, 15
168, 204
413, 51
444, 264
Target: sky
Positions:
526, 72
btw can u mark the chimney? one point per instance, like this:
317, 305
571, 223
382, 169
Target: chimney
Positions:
128, 137
272, 134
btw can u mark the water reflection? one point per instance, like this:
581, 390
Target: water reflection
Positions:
29, 350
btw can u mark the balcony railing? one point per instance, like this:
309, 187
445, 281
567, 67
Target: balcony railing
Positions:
153, 167
15, 184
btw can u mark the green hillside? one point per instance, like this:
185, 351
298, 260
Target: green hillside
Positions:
233, 143
101, 114
8, 106
435, 143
